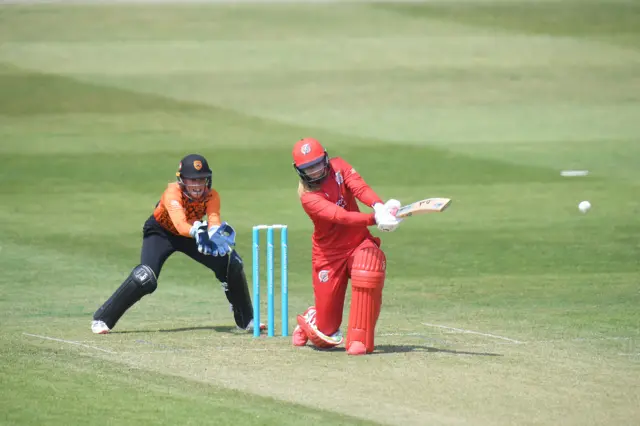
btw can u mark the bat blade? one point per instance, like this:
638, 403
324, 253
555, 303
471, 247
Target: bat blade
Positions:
428, 205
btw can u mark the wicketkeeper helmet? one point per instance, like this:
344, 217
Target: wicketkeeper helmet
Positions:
194, 166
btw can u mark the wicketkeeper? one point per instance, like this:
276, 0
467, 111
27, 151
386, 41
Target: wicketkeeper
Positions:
176, 225
343, 248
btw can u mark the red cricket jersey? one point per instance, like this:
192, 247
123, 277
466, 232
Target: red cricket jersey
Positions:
339, 226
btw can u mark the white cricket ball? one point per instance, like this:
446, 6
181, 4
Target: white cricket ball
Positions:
584, 206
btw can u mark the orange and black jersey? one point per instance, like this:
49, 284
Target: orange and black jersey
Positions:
176, 213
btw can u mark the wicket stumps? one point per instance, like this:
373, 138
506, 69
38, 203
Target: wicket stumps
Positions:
284, 277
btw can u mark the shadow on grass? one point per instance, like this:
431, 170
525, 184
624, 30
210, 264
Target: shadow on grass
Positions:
380, 349
217, 329
389, 349
394, 349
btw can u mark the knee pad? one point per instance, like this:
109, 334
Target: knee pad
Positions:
144, 277
367, 281
369, 268
370, 259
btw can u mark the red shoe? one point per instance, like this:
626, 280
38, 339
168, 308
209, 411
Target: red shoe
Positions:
307, 323
299, 337
356, 348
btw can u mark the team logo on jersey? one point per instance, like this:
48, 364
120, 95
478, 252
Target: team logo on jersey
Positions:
306, 148
175, 204
197, 164
341, 203
323, 276
339, 178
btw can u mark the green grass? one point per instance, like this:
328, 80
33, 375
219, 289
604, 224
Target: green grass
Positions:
555, 18
510, 308
132, 396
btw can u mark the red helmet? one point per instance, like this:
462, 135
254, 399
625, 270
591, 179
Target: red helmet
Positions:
310, 160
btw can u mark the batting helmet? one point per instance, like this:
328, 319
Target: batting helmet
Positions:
310, 160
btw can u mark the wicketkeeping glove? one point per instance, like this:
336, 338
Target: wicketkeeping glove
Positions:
223, 239
199, 233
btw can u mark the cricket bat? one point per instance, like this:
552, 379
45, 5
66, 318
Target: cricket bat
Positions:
428, 205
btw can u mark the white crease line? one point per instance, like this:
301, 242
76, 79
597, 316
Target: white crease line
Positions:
156, 352
251, 2
251, 349
461, 330
204, 350
70, 342
585, 339
403, 334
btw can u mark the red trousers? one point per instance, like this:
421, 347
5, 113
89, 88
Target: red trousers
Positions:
330, 278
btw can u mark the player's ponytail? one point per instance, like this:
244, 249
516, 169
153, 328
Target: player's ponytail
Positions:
304, 186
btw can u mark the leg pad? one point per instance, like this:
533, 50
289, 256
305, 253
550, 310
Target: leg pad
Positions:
367, 282
237, 291
140, 282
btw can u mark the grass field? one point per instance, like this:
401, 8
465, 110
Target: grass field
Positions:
512, 308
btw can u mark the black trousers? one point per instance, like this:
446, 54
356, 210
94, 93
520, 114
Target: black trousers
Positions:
158, 244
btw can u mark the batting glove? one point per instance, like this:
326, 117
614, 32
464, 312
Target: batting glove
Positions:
393, 206
384, 219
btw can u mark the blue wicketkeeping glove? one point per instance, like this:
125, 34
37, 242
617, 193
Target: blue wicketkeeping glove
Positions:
199, 233
223, 239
